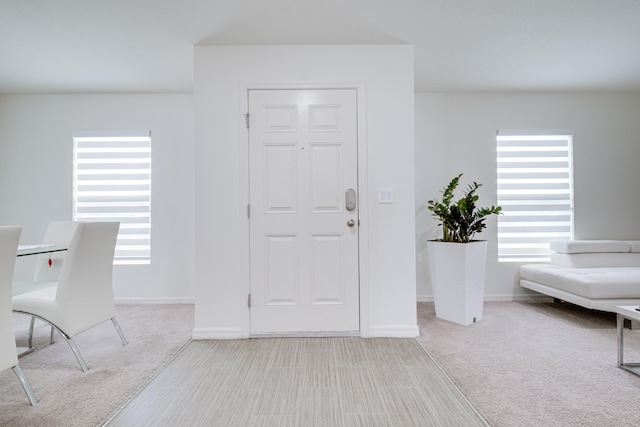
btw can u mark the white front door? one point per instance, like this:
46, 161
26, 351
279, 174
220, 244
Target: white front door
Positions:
303, 211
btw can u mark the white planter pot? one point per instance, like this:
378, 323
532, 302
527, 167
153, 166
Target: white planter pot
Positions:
457, 277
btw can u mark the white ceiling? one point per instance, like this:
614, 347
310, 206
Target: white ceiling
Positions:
75, 46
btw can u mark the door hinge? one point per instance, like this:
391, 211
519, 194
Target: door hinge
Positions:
249, 300
248, 210
246, 118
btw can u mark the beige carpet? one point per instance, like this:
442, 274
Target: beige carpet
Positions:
67, 396
538, 364
522, 365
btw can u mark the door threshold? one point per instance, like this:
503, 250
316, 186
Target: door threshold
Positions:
304, 334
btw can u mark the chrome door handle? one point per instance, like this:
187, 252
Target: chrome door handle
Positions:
351, 223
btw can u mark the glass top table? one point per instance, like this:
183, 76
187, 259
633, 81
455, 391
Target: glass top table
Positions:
26, 250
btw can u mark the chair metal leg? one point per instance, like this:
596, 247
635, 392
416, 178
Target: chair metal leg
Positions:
33, 321
69, 341
115, 323
25, 384
75, 351
31, 325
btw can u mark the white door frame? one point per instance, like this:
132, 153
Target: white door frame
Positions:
363, 190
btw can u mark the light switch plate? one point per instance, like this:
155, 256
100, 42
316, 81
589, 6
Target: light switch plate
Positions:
385, 195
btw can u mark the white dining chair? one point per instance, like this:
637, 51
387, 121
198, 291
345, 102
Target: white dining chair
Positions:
48, 266
9, 238
83, 295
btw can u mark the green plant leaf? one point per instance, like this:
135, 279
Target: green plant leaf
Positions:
460, 220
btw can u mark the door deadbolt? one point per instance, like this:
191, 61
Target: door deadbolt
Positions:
350, 199
351, 223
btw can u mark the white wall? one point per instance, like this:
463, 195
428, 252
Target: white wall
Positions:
36, 158
455, 133
388, 270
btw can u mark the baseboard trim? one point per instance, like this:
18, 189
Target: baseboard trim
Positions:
217, 334
161, 300
393, 331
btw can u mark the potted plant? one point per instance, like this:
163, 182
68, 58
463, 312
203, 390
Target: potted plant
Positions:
457, 261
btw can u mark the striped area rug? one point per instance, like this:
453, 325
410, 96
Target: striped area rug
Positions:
301, 382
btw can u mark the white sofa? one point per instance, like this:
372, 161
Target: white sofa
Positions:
596, 274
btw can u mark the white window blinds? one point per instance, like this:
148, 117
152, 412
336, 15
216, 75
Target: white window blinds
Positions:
112, 182
535, 190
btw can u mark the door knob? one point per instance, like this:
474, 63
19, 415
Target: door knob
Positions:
351, 223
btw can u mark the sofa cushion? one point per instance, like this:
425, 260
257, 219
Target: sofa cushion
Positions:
604, 259
589, 246
635, 245
594, 283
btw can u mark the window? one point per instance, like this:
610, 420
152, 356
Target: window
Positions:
535, 190
112, 182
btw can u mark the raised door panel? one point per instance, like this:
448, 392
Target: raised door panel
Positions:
280, 178
327, 270
325, 178
281, 270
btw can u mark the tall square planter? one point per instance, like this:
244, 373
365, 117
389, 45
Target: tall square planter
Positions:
458, 278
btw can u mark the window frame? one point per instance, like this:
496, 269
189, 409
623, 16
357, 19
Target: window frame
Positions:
112, 178
535, 189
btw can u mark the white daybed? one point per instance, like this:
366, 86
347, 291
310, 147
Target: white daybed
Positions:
596, 274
